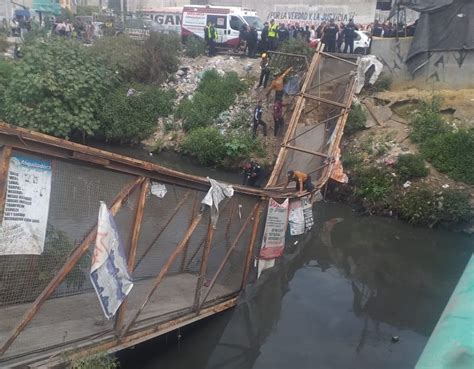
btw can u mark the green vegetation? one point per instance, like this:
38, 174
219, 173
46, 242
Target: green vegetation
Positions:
297, 46
410, 166
194, 47
120, 54
453, 154
160, 57
133, 118
98, 361
428, 122
450, 151
214, 95
373, 184
49, 93
422, 206
213, 148
355, 120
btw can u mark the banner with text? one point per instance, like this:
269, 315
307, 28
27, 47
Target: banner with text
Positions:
275, 229
25, 216
309, 15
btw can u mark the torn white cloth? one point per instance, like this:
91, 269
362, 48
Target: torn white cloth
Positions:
296, 218
217, 193
109, 273
365, 63
158, 189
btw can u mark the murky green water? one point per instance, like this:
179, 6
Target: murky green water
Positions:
335, 301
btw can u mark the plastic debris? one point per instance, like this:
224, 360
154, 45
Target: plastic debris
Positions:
407, 184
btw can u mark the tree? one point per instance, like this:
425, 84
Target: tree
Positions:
57, 88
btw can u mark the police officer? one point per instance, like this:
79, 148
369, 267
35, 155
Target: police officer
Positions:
377, 29
210, 35
330, 34
349, 36
272, 35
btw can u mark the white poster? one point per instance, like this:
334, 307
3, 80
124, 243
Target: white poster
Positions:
296, 218
26, 210
109, 273
275, 230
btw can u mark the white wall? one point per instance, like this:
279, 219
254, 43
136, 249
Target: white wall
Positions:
307, 11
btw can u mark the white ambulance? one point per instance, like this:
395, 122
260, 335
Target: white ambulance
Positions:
227, 20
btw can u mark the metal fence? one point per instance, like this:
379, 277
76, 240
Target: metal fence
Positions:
179, 263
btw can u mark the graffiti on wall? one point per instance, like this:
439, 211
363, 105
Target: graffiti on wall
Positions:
310, 14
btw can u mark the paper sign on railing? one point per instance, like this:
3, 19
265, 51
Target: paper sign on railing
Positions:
109, 273
275, 229
26, 209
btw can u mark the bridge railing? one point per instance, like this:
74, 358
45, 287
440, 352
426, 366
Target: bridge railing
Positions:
182, 266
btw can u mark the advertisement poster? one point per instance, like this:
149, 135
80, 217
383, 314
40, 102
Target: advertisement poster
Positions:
26, 210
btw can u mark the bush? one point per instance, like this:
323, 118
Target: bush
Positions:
373, 184
419, 206
424, 207
428, 122
97, 361
206, 144
411, 166
134, 118
212, 148
194, 47
355, 120
57, 88
453, 154
296, 46
120, 54
455, 207
6, 70
160, 57
214, 95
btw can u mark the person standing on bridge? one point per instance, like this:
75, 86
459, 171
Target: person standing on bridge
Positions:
303, 181
272, 35
210, 35
330, 35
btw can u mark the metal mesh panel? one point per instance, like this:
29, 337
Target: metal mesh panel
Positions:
73, 212
72, 312
315, 131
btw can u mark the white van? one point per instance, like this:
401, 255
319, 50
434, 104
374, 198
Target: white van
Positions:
227, 20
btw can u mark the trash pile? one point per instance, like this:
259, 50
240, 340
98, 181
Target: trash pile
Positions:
185, 81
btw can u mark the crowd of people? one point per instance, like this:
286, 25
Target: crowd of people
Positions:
337, 37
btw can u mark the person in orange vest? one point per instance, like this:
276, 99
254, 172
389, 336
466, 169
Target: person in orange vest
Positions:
272, 35
278, 84
303, 181
210, 35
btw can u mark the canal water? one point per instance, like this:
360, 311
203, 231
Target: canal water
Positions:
356, 292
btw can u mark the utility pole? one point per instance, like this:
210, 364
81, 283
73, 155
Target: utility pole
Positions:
122, 14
